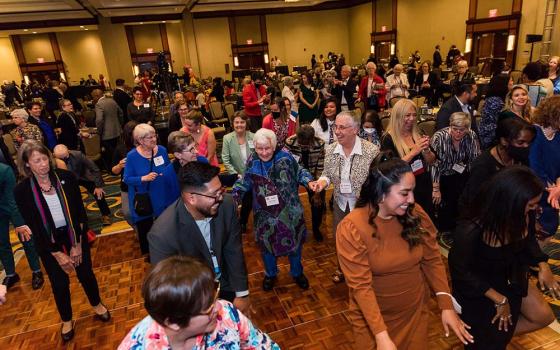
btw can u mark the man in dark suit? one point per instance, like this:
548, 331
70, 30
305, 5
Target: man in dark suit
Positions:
122, 98
203, 224
344, 89
464, 94
437, 58
88, 175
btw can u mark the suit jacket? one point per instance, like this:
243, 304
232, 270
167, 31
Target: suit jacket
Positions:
175, 232
381, 93
84, 168
122, 99
449, 107
437, 59
26, 205
348, 90
108, 116
231, 153
8, 207
69, 129
6, 153
432, 80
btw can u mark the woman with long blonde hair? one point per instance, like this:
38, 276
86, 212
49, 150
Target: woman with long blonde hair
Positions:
518, 104
405, 140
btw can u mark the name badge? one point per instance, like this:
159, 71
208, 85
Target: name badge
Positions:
345, 187
296, 157
272, 200
458, 168
312, 88
251, 144
417, 167
158, 161
146, 105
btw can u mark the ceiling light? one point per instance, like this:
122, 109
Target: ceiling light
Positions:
34, 32
141, 22
86, 29
162, 21
81, 26
26, 30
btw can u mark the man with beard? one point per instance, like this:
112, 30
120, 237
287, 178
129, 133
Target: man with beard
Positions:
203, 224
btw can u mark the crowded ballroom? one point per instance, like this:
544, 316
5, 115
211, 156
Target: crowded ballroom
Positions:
280, 174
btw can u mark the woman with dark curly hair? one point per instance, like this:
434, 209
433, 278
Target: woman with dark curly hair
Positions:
544, 159
388, 252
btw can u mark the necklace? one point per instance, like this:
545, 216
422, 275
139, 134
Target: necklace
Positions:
47, 190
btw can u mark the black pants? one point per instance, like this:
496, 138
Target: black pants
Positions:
227, 295
451, 187
255, 123
246, 207
101, 203
107, 151
60, 283
317, 211
143, 227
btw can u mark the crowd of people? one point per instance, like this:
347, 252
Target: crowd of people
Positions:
488, 178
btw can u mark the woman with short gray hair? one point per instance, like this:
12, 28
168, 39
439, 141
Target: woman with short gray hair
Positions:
288, 92
143, 173
456, 148
274, 177
24, 130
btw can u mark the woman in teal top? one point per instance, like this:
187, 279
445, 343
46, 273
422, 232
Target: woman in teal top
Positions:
309, 98
237, 146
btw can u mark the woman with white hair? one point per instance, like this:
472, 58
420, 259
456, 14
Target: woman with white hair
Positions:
372, 89
148, 190
456, 147
289, 92
24, 130
274, 177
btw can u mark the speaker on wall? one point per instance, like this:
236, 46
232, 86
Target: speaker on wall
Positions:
533, 38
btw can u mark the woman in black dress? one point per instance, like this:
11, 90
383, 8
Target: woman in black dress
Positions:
139, 110
490, 261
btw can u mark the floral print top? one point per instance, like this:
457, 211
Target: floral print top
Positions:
487, 128
27, 132
233, 331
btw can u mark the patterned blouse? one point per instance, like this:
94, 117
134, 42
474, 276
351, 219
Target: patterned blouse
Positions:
450, 160
233, 331
487, 128
27, 132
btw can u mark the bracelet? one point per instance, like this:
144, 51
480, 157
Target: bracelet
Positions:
505, 301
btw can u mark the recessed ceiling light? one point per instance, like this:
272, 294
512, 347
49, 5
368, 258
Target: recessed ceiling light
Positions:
86, 29
81, 26
141, 22
162, 21
34, 32
26, 30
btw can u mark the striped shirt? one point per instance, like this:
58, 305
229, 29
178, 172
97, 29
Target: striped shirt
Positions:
448, 157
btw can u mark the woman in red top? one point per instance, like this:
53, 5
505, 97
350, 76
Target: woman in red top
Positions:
280, 121
372, 89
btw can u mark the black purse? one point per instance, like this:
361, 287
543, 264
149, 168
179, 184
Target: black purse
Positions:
142, 201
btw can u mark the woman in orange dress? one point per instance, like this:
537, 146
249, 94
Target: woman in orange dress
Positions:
388, 253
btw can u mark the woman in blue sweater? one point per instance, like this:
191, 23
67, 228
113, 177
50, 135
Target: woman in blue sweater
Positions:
144, 173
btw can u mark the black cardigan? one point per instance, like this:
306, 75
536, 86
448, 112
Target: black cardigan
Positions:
26, 205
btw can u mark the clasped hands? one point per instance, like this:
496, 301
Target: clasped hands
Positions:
69, 262
317, 186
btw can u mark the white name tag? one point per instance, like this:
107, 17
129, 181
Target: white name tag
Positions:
272, 200
296, 157
458, 168
251, 144
345, 187
158, 161
417, 165
146, 105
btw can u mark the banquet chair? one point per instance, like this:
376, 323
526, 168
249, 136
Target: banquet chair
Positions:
385, 122
217, 113
89, 117
394, 100
419, 100
428, 127
515, 76
92, 147
9, 141
230, 110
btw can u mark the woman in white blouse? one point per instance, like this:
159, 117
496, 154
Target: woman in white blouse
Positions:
323, 125
288, 91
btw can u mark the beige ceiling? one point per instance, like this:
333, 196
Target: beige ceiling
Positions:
12, 11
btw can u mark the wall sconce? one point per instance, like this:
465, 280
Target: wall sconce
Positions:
372, 49
62, 76
135, 70
392, 48
468, 45
236, 61
510, 42
26, 79
266, 58
40, 60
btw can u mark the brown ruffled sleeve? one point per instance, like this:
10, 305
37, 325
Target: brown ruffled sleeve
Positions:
353, 258
431, 264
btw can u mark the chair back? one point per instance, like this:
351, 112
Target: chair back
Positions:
361, 106
89, 117
393, 101
428, 127
216, 110
385, 122
92, 147
230, 110
419, 100
9, 141
515, 76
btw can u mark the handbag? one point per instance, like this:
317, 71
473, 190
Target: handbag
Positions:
142, 201
372, 101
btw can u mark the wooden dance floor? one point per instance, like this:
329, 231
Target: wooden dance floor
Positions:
296, 319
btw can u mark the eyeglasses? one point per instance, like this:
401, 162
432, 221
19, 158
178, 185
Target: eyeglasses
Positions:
183, 109
149, 137
341, 127
458, 129
209, 311
219, 194
192, 149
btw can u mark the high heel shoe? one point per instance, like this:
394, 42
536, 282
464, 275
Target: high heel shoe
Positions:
66, 337
105, 317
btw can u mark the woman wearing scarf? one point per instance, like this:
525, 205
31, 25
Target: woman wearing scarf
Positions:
50, 202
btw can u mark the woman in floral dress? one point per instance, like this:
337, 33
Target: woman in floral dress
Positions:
180, 295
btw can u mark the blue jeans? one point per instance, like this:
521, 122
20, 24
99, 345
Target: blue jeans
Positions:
271, 269
6, 254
